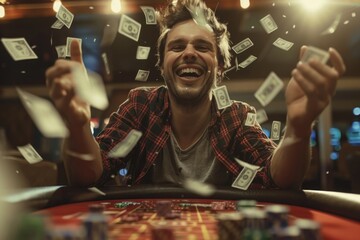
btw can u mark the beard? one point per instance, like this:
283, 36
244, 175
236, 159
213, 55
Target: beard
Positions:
191, 95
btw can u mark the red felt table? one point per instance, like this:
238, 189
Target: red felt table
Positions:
196, 222
339, 217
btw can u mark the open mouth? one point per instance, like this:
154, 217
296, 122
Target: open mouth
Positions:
189, 73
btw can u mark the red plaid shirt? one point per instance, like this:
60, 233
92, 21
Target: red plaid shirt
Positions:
147, 109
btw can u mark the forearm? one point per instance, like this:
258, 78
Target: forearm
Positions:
82, 159
291, 159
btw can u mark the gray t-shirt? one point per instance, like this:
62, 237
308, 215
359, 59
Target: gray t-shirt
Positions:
197, 162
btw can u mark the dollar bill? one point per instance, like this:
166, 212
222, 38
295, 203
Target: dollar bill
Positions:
142, 75
142, 52
275, 130
247, 61
261, 116
106, 63
243, 45
89, 86
45, 116
236, 64
123, 148
18, 48
269, 89
315, 53
222, 97
199, 17
65, 16
57, 25
244, 179
268, 24
61, 51
68, 45
250, 119
150, 16
246, 176
129, 28
30, 154
283, 44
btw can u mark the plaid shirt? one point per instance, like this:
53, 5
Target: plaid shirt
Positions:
147, 109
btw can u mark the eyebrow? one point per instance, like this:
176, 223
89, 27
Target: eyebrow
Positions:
181, 40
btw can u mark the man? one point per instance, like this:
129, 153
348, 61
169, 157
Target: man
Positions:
184, 135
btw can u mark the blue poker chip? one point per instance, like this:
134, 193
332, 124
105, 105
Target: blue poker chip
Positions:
123, 172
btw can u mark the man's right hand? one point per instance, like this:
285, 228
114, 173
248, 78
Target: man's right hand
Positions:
61, 85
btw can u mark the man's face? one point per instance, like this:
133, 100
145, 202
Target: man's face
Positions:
190, 62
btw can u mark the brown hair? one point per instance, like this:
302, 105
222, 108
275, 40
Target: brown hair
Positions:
177, 12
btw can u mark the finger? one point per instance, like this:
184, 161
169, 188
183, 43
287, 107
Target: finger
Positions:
60, 88
76, 53
337, 61
302, 51
60, 68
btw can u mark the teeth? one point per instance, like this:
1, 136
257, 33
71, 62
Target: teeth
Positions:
190, 70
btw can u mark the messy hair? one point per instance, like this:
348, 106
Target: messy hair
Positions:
179, 11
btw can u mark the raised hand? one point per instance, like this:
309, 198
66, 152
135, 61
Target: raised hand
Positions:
311, 88
61, 84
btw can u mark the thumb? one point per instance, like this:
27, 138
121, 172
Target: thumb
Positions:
75, 50
302, 51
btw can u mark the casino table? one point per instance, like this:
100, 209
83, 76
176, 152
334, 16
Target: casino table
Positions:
337, 213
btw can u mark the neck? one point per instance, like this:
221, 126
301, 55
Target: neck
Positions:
188, 122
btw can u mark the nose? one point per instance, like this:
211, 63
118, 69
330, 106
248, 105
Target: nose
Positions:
189, 53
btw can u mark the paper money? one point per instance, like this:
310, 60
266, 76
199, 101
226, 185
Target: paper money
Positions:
142, 52
236, 64
149, 15
45, 116
250, 119
57, 25
243, 45
18, 48
315, 53
30, 154
275, 130
129, 28
142, 75
68, 45
222, 97
283, 44
261, 116
106, 63
199, 188
61, 51
199, 17
247, 61
65, 16
268, 24
90, 88
124, 147
244, 179
269, 89
246, 176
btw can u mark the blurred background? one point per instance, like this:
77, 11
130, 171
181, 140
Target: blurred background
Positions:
319, 23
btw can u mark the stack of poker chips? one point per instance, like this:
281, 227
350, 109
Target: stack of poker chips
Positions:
96, 223
255, 226
230, 225
309, 229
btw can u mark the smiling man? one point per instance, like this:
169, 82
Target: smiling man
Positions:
183, 133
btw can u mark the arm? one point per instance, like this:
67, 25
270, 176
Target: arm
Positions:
81, 171
308, 93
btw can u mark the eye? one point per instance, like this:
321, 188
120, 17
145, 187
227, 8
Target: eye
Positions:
177, 48
203, 48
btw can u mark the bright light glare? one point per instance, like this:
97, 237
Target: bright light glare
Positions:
312, 5
115, 6
2, 11
56, 5
244, 4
